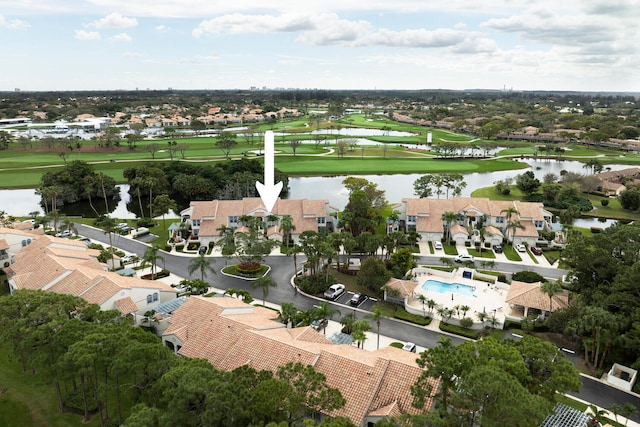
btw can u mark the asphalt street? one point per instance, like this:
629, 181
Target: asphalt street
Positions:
282, 270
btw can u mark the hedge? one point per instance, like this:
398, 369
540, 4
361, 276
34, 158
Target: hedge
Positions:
402, 314
458, 330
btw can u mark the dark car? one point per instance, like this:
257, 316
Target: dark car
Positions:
203, 250
357, 299
536, 250
497, 249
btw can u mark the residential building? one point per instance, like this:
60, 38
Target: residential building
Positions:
230, 334
207, 218
426, 216
66, 266
12, 240
612, 183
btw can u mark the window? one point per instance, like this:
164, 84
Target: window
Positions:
538, 224
411, 218
149, 299
233, 219
155, 296
321, 220
500, 220
195, 223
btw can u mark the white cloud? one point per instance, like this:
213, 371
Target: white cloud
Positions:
114, 20
237, 24
121, 37
133, 55
161, 28
87, 35
13, 24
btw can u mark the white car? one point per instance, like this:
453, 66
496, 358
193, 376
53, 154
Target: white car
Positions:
334, 291
65, 233
521, 248
464, 258
437, 245
128, 259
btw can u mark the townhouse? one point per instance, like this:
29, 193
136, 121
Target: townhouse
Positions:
230, 334
66, 266
427, 217
208, 218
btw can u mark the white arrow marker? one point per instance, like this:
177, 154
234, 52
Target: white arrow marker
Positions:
269, 191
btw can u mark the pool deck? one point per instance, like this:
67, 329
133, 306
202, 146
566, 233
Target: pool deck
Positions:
488, 298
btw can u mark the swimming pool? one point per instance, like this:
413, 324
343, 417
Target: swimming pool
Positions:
444, 288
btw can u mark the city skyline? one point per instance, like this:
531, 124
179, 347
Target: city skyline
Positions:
408, 44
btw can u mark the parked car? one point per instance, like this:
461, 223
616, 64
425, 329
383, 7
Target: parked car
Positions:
521, 248
357, 299
334, 291
497, 249
409, 346
536, 250
128, 259
463, 258
203, 250
65, 233
437, 245
319, 324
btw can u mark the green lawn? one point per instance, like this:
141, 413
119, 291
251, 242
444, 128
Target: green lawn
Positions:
511, 253
493, 194
486, 253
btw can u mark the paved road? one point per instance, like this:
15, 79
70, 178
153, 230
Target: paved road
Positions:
282, 269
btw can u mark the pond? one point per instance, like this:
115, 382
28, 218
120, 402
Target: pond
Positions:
21, 202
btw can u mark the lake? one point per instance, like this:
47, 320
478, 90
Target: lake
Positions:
21, 202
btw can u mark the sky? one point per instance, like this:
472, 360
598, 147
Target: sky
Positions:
576, 45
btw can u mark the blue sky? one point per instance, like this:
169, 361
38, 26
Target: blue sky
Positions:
585, 45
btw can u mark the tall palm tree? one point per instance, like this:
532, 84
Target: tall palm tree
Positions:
509, 214
449, 218
324, 312
202, 264
151, 256
286, 225
265, 282
551, 288
423, 299
377, 317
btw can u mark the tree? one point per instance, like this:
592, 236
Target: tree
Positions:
377, 315
225, 142
265, 282
373, 274
162, 205
201, 264
551, 288
108, 226
449, 218
630, 199
286, 225
198, 126
324, 312
454, 182
527, 183
152, 256
294, 144
422, 186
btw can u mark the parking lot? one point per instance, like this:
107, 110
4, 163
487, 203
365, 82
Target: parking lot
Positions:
344, 299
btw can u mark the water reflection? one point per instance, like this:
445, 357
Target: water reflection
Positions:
21, 202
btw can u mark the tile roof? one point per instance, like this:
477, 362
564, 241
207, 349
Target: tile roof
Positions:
69, 267
530, 295
126, 305
405, 287
230, 334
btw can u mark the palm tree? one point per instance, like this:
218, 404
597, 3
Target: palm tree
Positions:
265, 282
286, 225
510, 212
551, 288
68, 224
449, 218
359, 332
431, 304
423, 300
324, 312
202, 264
377, 317
152, 256
464, 309
347, 322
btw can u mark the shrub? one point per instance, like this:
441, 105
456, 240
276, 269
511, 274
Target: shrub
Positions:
455, 329
314, 284
604, 202
402, 314
248, 268
527, 276
502, 278
146, 222
466, 322
467, 244
396, 344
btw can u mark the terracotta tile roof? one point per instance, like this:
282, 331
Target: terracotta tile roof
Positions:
126, 305
64, 266
490, 230
405, 287
224, 331
3, 244
530, 295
